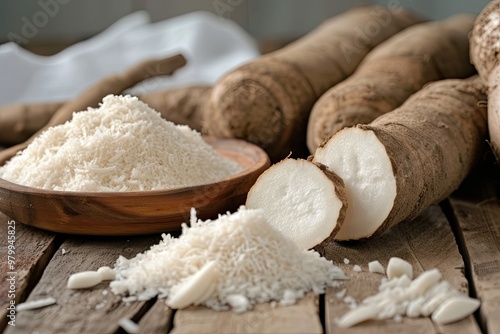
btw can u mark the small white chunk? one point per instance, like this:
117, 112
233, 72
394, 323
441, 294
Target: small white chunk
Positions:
454, 309
358, 315
289, 297
34, 304
84, 279
398, 267
299, 200
414, 307
356, 268
100, 306
205, 295
341, 294
239, 303
346, 261
424, 281
194, 287
63, 251
376, 267
433, 303
107, 274
350, 301
129, 299
387, 311
403, 281
128, 326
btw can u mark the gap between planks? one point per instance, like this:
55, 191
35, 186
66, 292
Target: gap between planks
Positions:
475, 209
86, 310
84, 254
426, 242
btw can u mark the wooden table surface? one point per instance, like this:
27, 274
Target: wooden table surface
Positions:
461, 237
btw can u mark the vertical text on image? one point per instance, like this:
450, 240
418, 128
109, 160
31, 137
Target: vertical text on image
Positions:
11, 273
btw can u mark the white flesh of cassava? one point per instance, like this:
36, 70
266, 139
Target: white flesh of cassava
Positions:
299, 200
360, 159
195, 287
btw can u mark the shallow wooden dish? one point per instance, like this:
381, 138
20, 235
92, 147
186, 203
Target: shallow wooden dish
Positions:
138, 212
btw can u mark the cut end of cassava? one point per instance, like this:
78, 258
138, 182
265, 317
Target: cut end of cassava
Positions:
361, 160
301, 199
245, 110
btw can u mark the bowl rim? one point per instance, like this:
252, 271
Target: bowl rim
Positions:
15, 187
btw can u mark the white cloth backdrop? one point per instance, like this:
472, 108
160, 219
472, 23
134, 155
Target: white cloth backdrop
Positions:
211, 45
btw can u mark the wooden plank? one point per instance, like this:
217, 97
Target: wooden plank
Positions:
33, 250
477, 210
158, 319
82, 311
427, 242
302, 317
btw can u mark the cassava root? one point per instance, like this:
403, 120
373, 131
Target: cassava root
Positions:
391, 72
267, 101
408, 159
485, 55
183, 105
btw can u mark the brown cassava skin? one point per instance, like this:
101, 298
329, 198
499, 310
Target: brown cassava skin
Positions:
267, 101
433, 140
18, 122
184, 105
391, 73
341, 194
113, 84
485, 55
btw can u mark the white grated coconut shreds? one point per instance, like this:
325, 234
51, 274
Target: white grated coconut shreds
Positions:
256, 263
123, 145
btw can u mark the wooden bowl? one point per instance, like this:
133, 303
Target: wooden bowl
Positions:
135, 212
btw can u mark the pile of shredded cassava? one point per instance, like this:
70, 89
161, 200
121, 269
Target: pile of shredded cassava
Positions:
255, 264
123, 145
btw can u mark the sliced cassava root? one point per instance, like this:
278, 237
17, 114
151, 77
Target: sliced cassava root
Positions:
183, 105
267, 101
392, 72
409, 158
301, 199
485, 55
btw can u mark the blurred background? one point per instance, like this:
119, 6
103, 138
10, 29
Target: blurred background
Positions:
59, 23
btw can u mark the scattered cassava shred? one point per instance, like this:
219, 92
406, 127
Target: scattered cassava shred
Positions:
427, 295
128, 326
255, 264
35, 304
